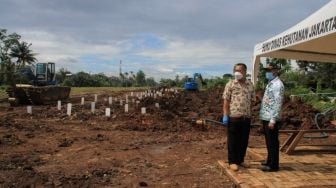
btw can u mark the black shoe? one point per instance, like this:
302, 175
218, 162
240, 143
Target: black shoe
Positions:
264, 163
269, 169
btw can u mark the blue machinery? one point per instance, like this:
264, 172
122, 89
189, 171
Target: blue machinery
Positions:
191, 83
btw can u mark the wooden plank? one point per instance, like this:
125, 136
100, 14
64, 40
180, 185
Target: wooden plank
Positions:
333, 122
230, 173
288, 141
255, 155
330, 148
294, 143
307, 130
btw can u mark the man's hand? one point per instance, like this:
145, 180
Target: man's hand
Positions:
225, 119
271, 125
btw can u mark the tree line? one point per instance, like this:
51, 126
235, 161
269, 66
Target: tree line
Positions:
84, 79
130, 79
16, 54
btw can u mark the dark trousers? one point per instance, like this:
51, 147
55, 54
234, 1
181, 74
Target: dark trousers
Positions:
237, 139
272, 143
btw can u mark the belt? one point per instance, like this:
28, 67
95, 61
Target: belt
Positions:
241, 118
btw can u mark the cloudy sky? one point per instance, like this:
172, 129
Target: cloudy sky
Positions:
161, 37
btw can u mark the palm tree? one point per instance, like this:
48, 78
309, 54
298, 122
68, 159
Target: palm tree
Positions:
127, 79
23, 54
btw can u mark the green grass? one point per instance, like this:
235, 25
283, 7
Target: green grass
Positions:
322, 105
3, 92
98, 90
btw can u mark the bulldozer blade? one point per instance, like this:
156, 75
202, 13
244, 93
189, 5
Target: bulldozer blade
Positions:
39, 95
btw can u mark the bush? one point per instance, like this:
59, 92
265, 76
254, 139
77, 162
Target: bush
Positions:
216, 82
298, 91
321, 105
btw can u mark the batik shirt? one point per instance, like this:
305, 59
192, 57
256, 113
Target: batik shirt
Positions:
272, 101
240, 97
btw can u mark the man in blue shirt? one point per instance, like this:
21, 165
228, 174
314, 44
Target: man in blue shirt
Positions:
270, 114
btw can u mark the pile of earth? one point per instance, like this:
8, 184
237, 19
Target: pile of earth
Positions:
177, 111
295, 114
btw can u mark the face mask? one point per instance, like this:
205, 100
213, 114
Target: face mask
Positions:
238, 75
269, 76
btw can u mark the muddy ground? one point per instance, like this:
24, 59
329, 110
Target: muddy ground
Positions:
162, 148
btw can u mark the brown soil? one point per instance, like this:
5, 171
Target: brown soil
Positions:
162, 148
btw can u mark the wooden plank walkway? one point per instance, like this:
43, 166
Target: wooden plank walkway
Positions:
305, 170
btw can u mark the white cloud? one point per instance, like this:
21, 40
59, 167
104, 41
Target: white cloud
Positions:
66, 51
208, 36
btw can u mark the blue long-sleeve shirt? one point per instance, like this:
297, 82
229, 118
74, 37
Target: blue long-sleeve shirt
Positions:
272, 101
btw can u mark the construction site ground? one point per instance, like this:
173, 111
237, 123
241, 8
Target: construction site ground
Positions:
162, 148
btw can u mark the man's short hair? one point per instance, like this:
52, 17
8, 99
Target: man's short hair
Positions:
240, 64
272, 67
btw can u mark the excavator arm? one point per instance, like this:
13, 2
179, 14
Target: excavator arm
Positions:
191, 83
199, 76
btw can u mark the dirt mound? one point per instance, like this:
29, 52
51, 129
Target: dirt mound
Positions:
177, 109
162, 148
295, 114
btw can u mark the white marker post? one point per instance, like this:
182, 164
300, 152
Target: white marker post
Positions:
157, 105
59, 105
69, 106
143, 110
82, 101
93, 106
121, 102
95, 98
126, 108
110, 100
29, 110
108, 112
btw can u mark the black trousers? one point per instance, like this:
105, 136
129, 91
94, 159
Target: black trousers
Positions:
237, 139
272, 144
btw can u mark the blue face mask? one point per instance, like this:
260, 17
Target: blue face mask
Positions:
269, 76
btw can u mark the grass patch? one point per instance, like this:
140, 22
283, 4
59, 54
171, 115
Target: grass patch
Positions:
322, 105
99, 90
3, 93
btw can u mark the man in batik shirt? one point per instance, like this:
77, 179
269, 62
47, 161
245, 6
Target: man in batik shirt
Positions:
270, 114
238, 96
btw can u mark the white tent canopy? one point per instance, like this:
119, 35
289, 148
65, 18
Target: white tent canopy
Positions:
313, 39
